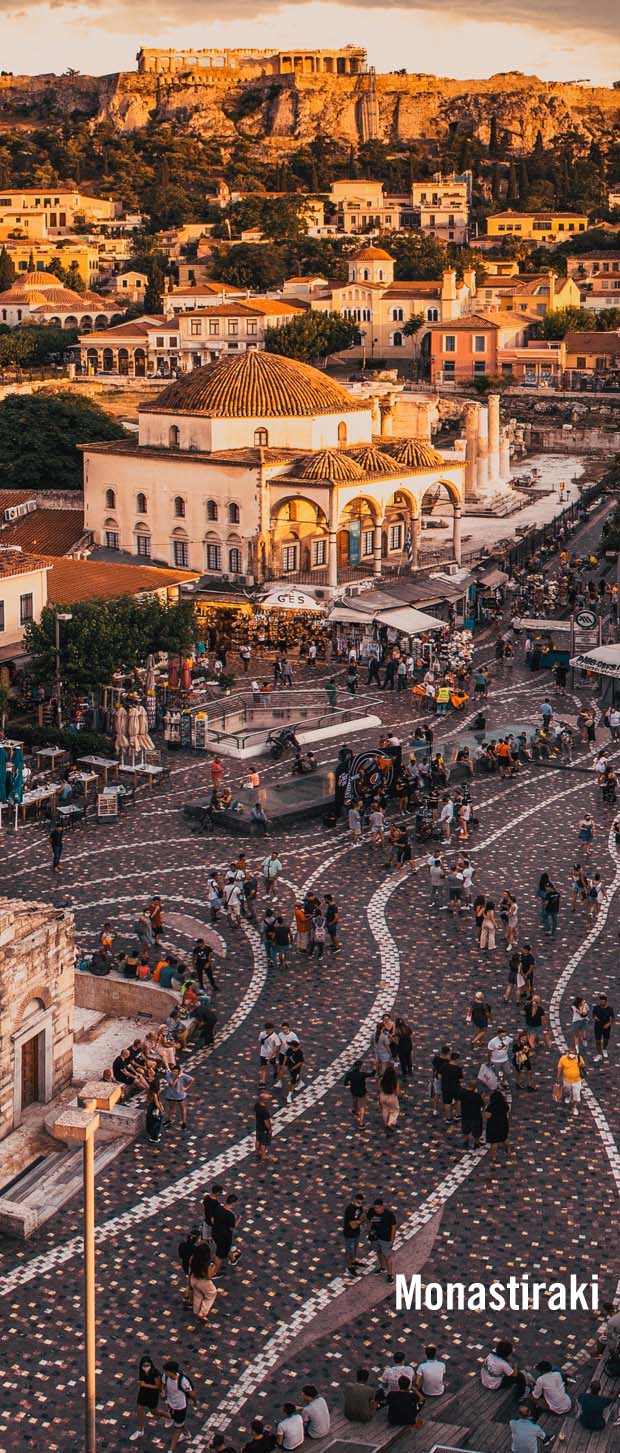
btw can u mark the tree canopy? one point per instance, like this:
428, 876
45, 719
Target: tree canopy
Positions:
39, 435
34, 344
312, 337
104, 636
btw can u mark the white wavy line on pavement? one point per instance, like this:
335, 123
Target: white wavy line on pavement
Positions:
263, 1363
304, 1100
600, 1120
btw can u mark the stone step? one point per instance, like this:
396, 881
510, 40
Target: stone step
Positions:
49, 1186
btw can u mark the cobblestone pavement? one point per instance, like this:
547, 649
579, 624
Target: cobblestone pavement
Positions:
549, 1211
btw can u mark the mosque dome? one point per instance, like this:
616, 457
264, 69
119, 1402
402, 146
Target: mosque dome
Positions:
371, 254
373, 460
254, 385
327, 464
413, 453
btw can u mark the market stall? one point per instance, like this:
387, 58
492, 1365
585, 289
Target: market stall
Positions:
359, 623
602, 663
551, 641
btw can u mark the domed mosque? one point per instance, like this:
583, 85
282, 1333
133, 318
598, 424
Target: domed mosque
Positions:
259, 468
40, 297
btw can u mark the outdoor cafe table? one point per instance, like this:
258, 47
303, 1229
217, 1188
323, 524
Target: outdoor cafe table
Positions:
100, 764
146, 769
35, 797
53, 755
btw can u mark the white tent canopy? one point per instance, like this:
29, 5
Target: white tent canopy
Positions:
290, 600
406, 618
604, 660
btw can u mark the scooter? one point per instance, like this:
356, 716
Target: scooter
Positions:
280, 740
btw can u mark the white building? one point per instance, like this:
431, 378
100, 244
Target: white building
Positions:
261, 467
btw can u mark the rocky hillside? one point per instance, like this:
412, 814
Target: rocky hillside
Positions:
285, 112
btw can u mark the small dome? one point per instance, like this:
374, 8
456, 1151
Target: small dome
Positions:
38, 280
255, 385
327, 464
373, 461
371, 254
413, 453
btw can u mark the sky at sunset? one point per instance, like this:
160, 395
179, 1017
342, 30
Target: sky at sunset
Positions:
445, 37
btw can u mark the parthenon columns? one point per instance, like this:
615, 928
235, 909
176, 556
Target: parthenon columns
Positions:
456, 534
494, 438
471, 451
482, 470
504, 456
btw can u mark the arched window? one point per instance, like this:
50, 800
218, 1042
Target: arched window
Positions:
432, 315
179, 547
235, 564
174, 437
141, 504
342, 432
110, 499
397, 315
261, 438
142, 540
212, 510
365, 274
234, 514
179, 507
397, 340
380, 274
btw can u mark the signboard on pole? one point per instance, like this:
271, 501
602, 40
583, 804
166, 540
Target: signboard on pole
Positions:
586, 633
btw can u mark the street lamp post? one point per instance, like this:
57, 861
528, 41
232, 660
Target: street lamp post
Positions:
80, 1123
61, 615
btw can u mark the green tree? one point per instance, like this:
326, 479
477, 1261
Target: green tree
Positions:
416, 256
34, 344
313, 337
40, 434
155, 287
563, 321
7, 271
105, 636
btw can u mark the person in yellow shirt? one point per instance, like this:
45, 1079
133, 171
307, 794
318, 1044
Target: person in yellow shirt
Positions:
569, 1072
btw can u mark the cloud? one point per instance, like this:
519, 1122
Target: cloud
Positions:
600, 17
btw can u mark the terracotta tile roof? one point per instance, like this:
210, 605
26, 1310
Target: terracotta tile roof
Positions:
433, 289
11, 497
48, 532
252, 309
72, 580
207, 289
14, 562
136, 328
601, 343
248, 457
254, 385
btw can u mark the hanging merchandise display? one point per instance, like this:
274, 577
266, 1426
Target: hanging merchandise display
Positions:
201, 731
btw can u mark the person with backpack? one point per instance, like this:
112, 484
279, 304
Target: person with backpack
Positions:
178, 1391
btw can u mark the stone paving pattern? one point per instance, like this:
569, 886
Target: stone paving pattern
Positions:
550, 1211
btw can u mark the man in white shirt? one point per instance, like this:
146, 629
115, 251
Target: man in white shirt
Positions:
614, 724
437, 874
431, 1373
549, 1391
446, 817
268, 1050
496, 1370
499, 1048
316, 1419
290, 1429
397, 1368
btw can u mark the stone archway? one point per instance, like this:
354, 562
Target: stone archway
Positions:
441, 502
299, 537
359, 542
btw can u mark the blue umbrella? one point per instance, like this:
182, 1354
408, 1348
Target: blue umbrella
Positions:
2, 774
17, 778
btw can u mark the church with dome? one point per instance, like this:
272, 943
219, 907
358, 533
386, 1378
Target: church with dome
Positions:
40, 297
261, 468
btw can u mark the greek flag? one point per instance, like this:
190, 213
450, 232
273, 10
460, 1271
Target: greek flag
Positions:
409, 546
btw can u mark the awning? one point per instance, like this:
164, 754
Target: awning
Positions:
348, 615
531, 623
290, 600
493, 578
604, 660
410, 621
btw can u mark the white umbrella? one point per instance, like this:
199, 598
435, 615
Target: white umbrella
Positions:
143, 741
133, 726
121, 741
150, 673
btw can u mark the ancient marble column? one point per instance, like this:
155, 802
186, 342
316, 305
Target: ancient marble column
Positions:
471, 451
504, 456
378, 560
494, 438
482, 467
456, 534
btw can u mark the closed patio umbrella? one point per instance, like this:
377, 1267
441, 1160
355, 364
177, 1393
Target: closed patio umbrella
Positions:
121, 740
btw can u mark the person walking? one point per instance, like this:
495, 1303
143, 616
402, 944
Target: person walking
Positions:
480, 1016
382, 1231
498, 1124
262, 1116
149, 1390
356, 1079
472, 1104
331, 922
580, 1010
351, 1231
489, 927
569, 1071
271, 869
404, 1046
389, 1090
551, 909
201, 1283
536, 1024
603, 1016
178, 1391
57, 844
451, 1076
202, 959
177, 1083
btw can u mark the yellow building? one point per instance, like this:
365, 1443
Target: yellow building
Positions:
84, 254
538, 293
541, 227
382, 307
61, 207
